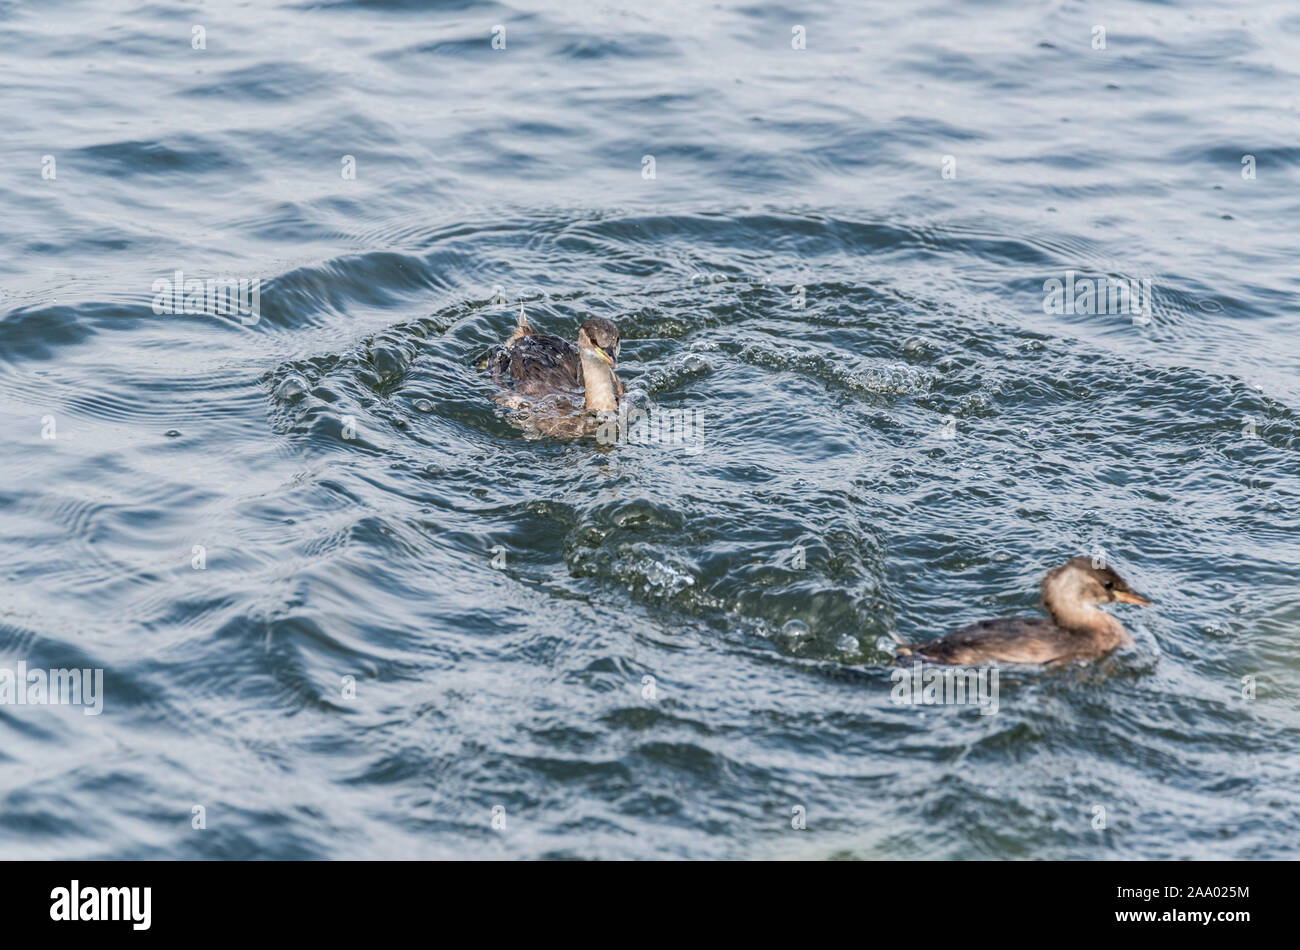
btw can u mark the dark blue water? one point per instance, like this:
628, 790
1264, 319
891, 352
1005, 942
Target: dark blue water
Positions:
230, 517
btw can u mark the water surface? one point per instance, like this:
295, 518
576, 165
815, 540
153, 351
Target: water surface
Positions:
344, 479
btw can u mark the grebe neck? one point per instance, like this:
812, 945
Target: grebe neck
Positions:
598, 382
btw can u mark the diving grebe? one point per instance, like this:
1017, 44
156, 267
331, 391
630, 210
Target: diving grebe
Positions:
1076, 629
536, 365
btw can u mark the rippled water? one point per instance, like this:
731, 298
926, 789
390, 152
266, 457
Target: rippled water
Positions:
920, 427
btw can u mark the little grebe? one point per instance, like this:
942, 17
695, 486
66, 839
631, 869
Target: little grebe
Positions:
535, 365
1071, 594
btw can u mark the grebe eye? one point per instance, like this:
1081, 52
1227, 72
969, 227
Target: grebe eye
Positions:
1110, 585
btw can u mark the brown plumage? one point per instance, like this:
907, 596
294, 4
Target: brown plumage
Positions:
536, 365
1076, 629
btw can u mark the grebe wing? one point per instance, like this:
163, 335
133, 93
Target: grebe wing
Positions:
539, 363
1008, 639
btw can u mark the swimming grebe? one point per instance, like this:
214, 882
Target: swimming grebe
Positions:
536, 365
1076, 629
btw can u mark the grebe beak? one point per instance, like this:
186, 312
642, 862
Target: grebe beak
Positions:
1132, 597
603, 355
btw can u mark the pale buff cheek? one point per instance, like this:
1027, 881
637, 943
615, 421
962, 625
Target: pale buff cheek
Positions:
1072, 600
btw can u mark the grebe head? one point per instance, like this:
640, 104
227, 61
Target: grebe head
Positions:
1082, 581
599, 337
